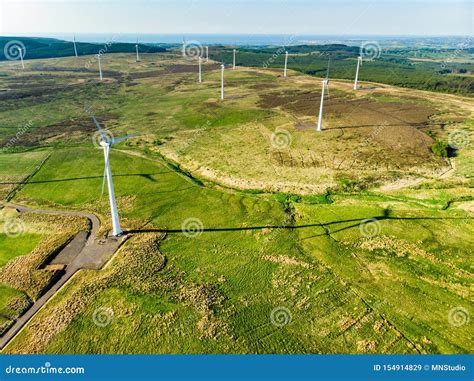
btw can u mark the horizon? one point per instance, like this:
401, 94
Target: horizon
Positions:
246, 39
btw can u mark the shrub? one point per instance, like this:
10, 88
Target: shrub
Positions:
440, 148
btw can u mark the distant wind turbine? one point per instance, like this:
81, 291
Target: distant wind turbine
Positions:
136, 48
325, 83
200, 76
100, 67
184, 47
233, 62
75, 47
222, 82
286, 64
106, 142
20, 50
359, 63
207, 53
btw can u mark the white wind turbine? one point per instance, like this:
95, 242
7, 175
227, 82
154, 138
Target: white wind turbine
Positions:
222, 82
183, 50
207, 53
75, 47
200, 75
20, 51
233, 61
325, 83
286, 64
136, 48
100, 67
106, 142
359, 63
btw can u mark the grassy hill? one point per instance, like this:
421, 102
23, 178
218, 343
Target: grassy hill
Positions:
36, 47
352, 240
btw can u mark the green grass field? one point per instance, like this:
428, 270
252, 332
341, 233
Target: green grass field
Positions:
280, 264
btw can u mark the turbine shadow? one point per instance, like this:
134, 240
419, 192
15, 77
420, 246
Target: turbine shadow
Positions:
377, 126
147, 176
292, 227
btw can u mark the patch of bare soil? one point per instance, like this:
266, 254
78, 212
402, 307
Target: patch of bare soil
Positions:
18, 91
263, 85
66, 129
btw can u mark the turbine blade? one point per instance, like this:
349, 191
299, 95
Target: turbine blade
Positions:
101, 130
97, 123
122, 138
329, 63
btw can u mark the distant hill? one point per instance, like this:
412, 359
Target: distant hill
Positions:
39, 47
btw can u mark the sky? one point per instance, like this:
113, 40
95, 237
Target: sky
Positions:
311, 17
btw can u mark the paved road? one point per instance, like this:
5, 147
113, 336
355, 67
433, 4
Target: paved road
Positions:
91, 254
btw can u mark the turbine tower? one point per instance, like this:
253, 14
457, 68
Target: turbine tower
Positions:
200, 76
183, 50
100, 67
75, 47
136, 48
222, 82
233, 62
106, 142
207, 53
325, 83
359, 62
20, 51
286, 64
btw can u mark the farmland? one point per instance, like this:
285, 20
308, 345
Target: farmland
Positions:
353, 240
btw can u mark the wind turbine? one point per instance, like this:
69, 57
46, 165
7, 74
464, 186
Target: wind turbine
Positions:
286, 63
75, 47
359, 62
222, 82
136, 48
100, 67
106, 142
200, 76
20, 50
325, 87
233, 62
207, 53
183, 50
